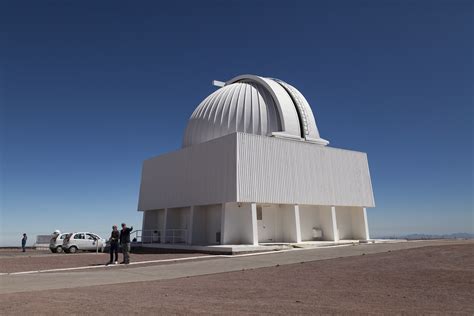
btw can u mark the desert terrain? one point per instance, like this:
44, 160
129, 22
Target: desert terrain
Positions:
435, 279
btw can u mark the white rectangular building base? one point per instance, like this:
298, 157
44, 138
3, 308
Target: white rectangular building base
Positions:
244, 189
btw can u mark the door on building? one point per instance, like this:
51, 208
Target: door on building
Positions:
264, 226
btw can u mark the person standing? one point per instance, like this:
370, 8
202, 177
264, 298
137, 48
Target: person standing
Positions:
23, 242
125, 242
114, 244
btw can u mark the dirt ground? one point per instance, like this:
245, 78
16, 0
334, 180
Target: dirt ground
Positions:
435, 280
16, 261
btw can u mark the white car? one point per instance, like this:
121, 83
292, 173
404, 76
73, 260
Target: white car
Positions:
83, 241
56, 242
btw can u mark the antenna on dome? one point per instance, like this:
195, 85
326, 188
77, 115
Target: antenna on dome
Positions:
218, 83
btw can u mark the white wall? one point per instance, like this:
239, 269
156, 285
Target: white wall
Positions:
269, 227
344, 222
239, 224
291, 223
360, 226
199, 175
206, 223
213, 223
153, 220
278, 223
309, 218
256, 169
199, 226
351, 223
178, 218
318, 217
150, 220
279, 171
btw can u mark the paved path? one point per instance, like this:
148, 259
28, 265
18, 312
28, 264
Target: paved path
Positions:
218, 264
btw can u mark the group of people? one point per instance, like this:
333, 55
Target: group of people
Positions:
121, 238
117, 238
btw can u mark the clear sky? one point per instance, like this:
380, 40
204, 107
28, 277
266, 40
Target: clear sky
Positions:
89, 89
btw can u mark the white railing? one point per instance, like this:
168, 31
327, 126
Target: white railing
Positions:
155, 236
176, 236
147, 236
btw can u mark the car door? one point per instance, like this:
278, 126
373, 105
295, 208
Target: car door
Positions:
78, 240
89, 242
100, 240
92, 241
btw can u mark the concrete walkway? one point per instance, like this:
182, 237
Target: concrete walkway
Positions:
219, 264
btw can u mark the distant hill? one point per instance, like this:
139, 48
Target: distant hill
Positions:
430, 236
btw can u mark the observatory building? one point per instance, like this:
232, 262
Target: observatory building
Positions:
254, 169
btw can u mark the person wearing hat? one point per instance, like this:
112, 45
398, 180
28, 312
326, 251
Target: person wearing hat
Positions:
114, 244
125, 242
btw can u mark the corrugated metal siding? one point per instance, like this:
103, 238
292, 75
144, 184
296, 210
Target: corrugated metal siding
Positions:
251, 168
272, 170
197, 175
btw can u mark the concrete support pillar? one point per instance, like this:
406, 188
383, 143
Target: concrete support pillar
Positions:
163, 227
189, 237
297, 224
157, 224
222, 241
253, 207
334, 224
144, 225
143, 221
366, 224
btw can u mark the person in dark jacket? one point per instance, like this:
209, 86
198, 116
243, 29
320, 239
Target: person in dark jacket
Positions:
125, 242
23, 242
114, 244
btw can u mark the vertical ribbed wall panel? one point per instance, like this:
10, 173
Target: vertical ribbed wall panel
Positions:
243, 167
272, 170
198, 175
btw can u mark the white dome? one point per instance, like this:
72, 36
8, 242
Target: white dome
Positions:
254, 105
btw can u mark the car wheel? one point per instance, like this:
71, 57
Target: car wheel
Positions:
59, 249
73, 249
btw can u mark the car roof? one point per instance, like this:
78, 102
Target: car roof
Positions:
86, 233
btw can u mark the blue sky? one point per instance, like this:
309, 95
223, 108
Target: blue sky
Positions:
89, 89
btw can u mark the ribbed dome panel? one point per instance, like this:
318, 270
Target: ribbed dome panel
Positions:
239, 107
254, 105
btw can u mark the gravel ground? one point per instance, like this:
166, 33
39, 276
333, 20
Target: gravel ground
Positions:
41, 260
436, 280
16, 252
